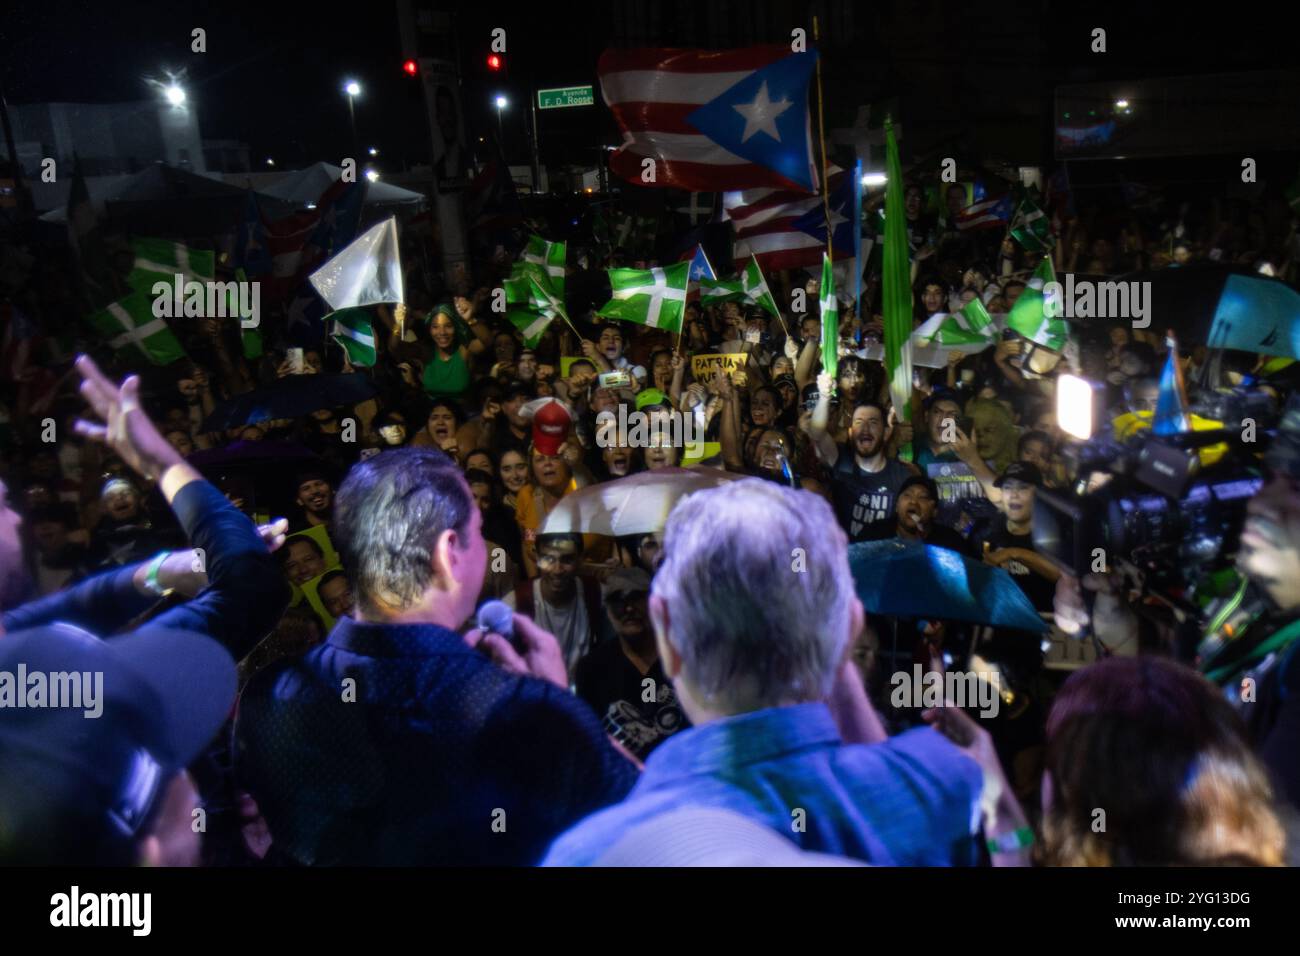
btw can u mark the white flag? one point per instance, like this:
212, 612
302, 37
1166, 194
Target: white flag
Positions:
367, 272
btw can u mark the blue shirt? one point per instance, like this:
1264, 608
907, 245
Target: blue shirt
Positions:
430, 755
909, 801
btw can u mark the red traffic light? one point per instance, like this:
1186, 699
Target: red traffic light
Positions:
410, 67
493, 62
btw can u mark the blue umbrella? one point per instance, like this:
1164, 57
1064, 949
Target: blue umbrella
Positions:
910, 579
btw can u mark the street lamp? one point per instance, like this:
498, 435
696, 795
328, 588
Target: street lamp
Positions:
175, 95
373, 151
372, 175
353, 89
501, 103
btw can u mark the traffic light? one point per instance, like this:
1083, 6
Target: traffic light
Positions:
496, 63
410, 67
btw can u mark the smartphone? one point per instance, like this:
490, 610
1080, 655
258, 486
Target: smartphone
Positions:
615, 380
753, 335
296, 364
967, 426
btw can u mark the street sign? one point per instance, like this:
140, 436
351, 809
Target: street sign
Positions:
565, 96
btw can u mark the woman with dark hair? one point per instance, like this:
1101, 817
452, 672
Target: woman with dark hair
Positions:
1153, 746
446, 374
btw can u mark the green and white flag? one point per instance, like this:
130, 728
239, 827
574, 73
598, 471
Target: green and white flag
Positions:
654, 297
530, 324
830, 308
971, 326
721, 290
551, 256
519, 286
353, 330
160, 260
1030, 227
130, 323
1035, 316
543, 299
756, 290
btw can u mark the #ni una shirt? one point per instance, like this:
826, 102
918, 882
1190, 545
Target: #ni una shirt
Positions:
864, 500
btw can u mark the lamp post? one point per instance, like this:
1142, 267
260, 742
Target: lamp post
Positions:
353, 89
501, 103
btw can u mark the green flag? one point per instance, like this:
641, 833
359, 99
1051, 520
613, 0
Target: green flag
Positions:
830, 308
250, 338
159, 260
551, 256
353, 330
531, 325
971, 326
721, 290
756, 290
654, 297
130, 323
544, 300
1030, 227
897, 287
519, 285
1035, 316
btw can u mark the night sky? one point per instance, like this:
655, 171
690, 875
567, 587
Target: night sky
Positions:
273, 72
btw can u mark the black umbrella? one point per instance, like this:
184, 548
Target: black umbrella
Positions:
291, 397
1224, 307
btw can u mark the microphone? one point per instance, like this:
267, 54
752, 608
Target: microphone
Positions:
496, 616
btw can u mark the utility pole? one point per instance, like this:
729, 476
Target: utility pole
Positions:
427, 36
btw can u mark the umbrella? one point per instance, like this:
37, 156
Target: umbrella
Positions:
250, 456
1224, 307
910, 579
290, 397
637, 504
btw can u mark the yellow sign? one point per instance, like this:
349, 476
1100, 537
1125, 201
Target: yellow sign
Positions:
703, 366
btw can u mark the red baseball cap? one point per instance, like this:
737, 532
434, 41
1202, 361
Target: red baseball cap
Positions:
551, 424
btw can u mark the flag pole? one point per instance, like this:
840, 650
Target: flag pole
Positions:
821, 131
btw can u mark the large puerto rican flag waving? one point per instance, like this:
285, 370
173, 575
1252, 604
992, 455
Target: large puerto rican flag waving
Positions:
712, 120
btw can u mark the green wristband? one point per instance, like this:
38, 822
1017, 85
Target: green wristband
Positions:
151, 576
1017, 839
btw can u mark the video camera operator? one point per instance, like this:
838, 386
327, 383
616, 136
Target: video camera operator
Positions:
1259, 671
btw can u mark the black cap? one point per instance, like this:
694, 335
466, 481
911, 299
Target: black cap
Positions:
1020, 471
145, 705
518, 388
924, 481
942, 394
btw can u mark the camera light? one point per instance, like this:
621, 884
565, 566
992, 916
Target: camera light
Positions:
1074, 406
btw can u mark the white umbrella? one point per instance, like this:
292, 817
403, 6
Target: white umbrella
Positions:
637, 504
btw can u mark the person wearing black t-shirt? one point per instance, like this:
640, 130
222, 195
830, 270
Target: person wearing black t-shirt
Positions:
623, 679
1008, 541
865, 482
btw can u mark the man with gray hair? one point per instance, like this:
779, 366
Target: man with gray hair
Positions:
755, 621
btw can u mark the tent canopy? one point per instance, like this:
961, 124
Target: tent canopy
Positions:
304, 186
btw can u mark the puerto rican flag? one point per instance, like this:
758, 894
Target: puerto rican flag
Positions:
711, 120
988, 214
785, 229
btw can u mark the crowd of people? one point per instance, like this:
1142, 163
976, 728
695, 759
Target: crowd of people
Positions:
334, 561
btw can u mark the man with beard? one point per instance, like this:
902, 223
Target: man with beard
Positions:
864, 481
315, 496
623, 680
